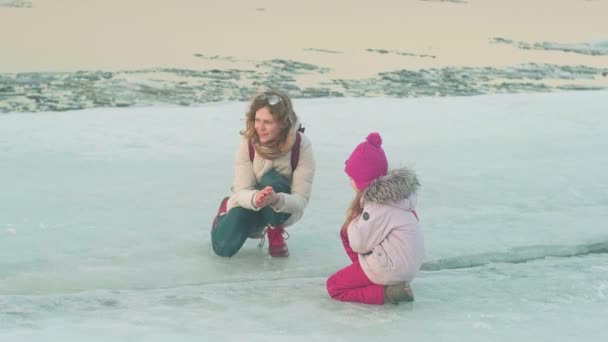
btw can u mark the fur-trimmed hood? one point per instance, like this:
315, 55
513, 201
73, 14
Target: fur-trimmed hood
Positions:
387, 235
397, 185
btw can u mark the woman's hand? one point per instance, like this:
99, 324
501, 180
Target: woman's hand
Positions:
265, 197
273, 199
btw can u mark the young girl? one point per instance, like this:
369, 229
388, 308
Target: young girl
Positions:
381, 234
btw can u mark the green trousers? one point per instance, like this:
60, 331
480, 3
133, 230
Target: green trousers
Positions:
238, 223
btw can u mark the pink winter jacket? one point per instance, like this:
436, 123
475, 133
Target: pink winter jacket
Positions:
387, 235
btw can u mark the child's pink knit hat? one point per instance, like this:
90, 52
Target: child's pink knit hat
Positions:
367, 162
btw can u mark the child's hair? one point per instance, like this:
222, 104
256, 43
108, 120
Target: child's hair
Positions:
354, 210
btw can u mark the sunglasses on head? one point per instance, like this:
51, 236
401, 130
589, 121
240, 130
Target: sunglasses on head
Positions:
270, 99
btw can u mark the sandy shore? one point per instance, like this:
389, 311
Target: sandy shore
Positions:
96, 53
345, 36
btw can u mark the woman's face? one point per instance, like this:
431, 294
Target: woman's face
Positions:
266, 126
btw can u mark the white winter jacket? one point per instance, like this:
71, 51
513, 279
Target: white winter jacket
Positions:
248, 174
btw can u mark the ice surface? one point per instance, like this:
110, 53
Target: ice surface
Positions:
105, 215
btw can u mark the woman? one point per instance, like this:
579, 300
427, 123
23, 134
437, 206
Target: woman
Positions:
274, 171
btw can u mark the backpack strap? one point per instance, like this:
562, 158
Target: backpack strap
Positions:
295, 150
251, 151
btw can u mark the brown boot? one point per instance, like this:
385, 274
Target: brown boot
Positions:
401, 292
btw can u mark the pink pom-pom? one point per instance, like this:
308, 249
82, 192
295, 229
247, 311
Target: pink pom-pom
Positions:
374, 139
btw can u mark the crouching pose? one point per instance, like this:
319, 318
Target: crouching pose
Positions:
274, 171
381, 234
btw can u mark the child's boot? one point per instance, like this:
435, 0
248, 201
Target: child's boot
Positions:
401, 292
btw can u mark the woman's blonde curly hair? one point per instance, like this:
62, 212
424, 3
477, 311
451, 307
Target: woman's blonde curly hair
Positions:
282, 112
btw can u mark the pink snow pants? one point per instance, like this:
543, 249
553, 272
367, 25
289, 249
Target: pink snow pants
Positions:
350, 284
